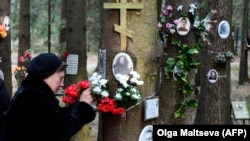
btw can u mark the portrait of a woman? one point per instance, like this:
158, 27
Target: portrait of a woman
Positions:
122, 64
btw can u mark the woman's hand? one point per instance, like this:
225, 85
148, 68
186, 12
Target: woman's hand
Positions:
86, 96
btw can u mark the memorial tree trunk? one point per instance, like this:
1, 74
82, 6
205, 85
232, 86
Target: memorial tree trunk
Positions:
169, 89
5, 47
214, 98
129, 27
76, 46
243, 71
23, 36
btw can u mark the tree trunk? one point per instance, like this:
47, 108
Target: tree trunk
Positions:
169, 89
24, 34
76, 44
5, 47
143, 51
243, 72
214, 99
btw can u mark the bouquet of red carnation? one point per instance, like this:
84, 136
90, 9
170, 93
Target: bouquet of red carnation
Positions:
109, 105
72, 93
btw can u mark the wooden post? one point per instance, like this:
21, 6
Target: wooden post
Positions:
123, 6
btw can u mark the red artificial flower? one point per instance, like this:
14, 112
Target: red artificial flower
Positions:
65, 54
109, 105
118, 111
83, 84
68, 99
73, 91
21, 59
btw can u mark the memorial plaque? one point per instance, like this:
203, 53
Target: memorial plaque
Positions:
151, 108
240, 109
72, 61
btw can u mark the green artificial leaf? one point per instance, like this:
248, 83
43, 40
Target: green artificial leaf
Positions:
193, 51
192, 103
179, 114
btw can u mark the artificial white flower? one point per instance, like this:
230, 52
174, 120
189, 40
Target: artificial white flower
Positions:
127, 94
105, 93
98, 85
118, 96
127, 89
103, 82
135, 96
172, 31
97, 89
179, 8
140, 83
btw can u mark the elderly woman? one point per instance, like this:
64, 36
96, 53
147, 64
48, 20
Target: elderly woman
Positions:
34, 113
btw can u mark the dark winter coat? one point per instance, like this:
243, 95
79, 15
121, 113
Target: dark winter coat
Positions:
4, 103
35, 115
4, 97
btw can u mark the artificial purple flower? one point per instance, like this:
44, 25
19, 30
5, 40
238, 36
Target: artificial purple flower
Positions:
176, 21
169, 7
169, 25
165, 12
159, 25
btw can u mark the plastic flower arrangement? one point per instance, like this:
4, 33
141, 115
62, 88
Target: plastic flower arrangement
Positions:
101, 93
204, 26
72, 92
20, 71
126, 94
167, 25
98, 90
25, 58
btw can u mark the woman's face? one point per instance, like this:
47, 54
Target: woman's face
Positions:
55, 81
122, 60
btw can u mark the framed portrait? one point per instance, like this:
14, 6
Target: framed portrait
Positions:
176, 72
224, 29
123, 65
212, 76
183, 26
146, 133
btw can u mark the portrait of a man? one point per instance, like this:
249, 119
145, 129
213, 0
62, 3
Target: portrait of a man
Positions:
183, 26
224, 29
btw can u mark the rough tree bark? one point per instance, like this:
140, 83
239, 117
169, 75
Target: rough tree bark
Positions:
143, 51
168, 89
76, 44
24, 33
214, 98
5, 47
243, 72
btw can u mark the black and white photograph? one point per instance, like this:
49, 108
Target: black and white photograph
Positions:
176, 73
146, 133
122, 64
183, 26
212, 76
224, 29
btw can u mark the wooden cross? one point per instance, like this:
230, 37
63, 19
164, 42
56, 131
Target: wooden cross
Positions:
122, 29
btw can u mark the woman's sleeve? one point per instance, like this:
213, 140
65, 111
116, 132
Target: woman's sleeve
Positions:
4, 97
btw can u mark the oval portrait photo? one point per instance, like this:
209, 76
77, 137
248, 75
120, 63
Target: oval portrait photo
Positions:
212, 76
146, 133
224, 29
122, 65
183, 26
